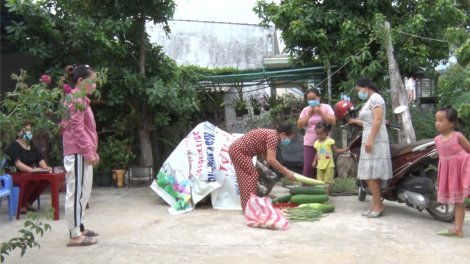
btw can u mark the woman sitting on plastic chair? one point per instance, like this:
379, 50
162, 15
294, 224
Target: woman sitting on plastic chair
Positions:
24, 156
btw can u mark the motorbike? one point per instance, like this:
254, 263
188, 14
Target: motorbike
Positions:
414, 181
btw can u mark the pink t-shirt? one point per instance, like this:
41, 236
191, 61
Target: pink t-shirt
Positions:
310, 134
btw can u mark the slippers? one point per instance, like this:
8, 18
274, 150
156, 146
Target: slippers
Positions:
86, 242
31, 209
373, 214
90, 233
447, 233
366, 213
23, 212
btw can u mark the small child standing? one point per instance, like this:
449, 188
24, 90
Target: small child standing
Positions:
324, 157
453, 183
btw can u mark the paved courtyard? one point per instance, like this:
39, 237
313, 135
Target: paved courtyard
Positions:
135, 227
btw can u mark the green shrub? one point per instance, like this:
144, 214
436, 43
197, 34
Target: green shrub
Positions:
344, 185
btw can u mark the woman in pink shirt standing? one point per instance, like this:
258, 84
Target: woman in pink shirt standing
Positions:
80, 144
310, 117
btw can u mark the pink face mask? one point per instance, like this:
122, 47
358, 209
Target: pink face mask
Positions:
88, 85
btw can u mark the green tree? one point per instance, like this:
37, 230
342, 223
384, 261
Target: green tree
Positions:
335, 32
143, 82
453, 89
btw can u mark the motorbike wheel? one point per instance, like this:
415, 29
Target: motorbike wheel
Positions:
361, 194
441, 212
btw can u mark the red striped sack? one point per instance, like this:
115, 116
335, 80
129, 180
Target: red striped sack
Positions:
260, 213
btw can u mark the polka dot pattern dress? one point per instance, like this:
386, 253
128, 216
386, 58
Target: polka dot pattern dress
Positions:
254, 143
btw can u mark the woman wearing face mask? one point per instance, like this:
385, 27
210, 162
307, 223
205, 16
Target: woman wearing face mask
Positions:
26, 157
258, 142
375, 163
310, 117
80, 145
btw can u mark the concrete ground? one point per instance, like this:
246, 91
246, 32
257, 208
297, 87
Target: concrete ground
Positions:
135, 227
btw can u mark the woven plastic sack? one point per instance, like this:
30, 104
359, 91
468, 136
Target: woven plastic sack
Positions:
260, 213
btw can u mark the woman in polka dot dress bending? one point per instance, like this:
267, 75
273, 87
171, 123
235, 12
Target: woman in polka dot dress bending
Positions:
258, 142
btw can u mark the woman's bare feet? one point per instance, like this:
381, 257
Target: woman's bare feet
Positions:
456, 232
90, 233
378, 211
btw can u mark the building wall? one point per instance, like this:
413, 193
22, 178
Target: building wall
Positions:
215, 45
219, 45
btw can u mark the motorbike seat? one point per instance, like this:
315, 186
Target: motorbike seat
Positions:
402, 149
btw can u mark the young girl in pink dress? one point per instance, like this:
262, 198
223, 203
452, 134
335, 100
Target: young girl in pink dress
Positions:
454, 166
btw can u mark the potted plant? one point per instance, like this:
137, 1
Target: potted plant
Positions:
269, 102
102, 174
239, 103
218, 102
256, 104
287, 101
120, 156
240, 107
114, 157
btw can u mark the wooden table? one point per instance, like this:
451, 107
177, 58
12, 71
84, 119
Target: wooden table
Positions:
53, 178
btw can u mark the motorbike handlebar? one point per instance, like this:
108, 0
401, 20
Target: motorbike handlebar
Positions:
394, 127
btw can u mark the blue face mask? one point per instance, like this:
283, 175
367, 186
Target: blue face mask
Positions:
363, 96
285, 142
313, 103
28, 135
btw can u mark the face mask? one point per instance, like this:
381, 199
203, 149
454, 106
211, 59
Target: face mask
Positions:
89, 85
285, 142
28, 135
363, 96
313, 103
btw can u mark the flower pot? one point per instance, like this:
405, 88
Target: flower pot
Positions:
267, 108
118, 178
245, 111
256, 111
103, 179
287, 110
239, 113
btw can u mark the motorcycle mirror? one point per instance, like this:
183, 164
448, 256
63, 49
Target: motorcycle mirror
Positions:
400, 109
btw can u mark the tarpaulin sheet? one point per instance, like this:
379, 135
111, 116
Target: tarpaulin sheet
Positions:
200, 166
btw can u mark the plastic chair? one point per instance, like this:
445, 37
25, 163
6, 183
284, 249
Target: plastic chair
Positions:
15, 194
5, 191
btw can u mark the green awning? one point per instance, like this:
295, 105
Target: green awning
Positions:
311, 74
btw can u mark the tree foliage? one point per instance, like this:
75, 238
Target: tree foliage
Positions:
334, 31
453, 87
27, 238
143, 82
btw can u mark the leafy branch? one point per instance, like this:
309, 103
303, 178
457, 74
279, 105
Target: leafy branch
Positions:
28, 239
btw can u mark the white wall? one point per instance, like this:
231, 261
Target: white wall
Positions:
218, 45
215, 45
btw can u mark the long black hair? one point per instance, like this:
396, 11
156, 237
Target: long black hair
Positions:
285, 127
313, 90
76, 72
452, 115
365, 81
